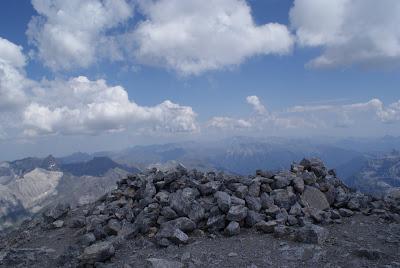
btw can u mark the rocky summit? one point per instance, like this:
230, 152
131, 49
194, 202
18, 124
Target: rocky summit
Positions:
302, 217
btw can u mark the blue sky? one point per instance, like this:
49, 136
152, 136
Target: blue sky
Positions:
355, 87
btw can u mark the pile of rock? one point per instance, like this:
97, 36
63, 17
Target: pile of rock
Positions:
169, 206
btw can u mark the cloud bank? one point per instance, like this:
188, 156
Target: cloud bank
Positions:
78, 105
74, 33
350, 32
191, 37
310, 119
12, 80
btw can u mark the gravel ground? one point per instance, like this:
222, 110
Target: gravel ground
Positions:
360, 241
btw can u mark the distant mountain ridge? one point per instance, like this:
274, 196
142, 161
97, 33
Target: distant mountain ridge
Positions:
98, 166
375, 174
30, 184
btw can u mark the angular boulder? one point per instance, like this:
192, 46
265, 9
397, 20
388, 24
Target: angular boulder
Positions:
237, 213
311, 234
99, 252
314, 198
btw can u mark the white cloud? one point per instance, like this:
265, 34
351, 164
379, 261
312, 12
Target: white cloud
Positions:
228, 123
361, 32
12, 78
11, 54
256, 103
82, 106
192, 37
375, 107
73, 33
312, 119
77, 106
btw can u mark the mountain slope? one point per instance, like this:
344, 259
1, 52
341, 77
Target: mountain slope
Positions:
29, 185
374, 174
98, 166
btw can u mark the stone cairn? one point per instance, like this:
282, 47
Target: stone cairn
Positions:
169, 206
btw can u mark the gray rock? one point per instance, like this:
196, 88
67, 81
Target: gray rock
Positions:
179, 237
98, 252
162, 197
369, 254
150, 190
224, 201
254, 188
314, 198
282, 231
77, 222
298, 185
180, 203
241, 191
335, 215
266, 200
210, 187
311, 234
232, 229
266, 227
56, 212
161, 263
345, 212
87, 239
340, 195
216, 223
283, 198
282, 216
353, 204
280, 182
292, 220
183, 223
113, 227
196, 212
58, 224
272, 210
168, 213
253, 218
330, 194
295, 210
309, 178
237, 213
145, 220
172, 233
253, 203
237, 201
264, 173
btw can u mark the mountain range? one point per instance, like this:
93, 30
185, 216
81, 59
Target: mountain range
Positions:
30, 184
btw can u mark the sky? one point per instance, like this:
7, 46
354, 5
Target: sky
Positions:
93, 75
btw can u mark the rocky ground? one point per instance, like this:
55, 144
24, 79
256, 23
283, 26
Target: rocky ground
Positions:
305, 217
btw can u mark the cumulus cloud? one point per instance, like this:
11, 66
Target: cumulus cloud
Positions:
228, 123
191, 37
73, 33
311, 118
12, 78
256, 103
349, 112
361, 32
261, 121
78, 105
82, 106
